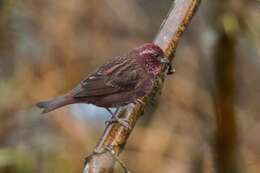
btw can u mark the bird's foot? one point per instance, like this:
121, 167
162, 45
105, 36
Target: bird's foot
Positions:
113, 153
110, 121
115, 119
124, 123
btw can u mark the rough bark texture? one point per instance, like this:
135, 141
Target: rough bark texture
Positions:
115, 135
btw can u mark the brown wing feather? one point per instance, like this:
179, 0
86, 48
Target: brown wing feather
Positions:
94, 87
110, 79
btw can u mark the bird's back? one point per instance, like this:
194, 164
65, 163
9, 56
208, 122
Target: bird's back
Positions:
118, 82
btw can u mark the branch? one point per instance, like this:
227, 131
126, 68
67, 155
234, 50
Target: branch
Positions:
115, 135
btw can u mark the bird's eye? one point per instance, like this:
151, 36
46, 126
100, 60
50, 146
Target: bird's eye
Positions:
156, 55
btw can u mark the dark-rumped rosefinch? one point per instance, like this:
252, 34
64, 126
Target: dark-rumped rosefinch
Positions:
122, 80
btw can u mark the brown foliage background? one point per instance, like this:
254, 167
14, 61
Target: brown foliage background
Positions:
47, 47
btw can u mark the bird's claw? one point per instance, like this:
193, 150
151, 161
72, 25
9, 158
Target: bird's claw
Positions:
116, 119
124, 123
111, 121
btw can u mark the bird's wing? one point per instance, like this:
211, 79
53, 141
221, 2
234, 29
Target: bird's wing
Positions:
119, 74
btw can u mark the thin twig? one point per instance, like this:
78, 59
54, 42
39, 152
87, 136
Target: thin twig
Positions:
116, 135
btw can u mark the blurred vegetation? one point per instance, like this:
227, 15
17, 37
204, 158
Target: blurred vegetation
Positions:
207, 119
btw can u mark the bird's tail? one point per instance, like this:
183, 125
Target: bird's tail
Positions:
56, 103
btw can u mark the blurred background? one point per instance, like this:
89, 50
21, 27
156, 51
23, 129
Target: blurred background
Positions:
206, 120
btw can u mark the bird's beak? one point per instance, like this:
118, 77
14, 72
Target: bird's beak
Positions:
167, 62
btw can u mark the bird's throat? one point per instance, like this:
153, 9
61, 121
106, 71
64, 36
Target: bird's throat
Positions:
153, 66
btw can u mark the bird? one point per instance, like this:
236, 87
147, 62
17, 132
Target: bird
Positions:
120, 81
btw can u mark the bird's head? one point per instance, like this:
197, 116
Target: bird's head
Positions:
151, 57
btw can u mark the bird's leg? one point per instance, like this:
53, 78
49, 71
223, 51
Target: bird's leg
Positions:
116, 119
112, 119
117, 109
113, 153
111, 113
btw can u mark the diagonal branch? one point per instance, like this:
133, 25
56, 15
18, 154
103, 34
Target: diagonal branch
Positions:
115, 135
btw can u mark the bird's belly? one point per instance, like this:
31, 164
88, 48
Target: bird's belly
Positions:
115, 100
